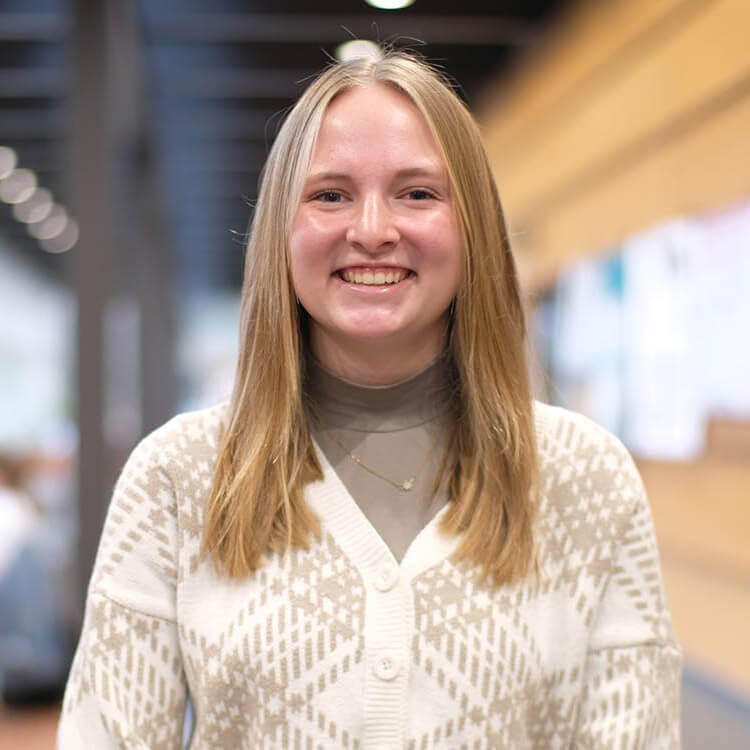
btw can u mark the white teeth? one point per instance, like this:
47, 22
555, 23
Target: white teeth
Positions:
371, 278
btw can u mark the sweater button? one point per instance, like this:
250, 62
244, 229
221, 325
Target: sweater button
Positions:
386, 578
386, 667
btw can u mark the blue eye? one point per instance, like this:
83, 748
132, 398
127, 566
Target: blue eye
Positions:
329, 196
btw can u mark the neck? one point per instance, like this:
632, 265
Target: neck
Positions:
338, 403
373, 363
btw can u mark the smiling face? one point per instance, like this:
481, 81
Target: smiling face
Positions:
375, 246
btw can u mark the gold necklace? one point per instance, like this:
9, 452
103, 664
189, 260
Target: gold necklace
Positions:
405, 486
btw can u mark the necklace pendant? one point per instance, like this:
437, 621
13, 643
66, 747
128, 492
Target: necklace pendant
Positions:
408, 484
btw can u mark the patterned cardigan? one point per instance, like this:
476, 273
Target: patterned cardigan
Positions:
340, 646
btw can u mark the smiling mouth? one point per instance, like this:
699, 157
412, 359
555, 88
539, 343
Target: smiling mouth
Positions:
373, 277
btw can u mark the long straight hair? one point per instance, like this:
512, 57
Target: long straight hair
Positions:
266, 454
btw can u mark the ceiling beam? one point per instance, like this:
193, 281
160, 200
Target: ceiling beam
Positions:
221, 151
321, 29
249, 83
37, 152
198, 167
188, 180
208, 189
250, 124
33, 27
24, 124
30, 83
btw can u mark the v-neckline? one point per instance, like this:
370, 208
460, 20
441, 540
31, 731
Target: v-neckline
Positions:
353, 531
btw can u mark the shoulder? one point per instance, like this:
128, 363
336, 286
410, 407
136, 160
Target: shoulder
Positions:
588, 480
152, 515
173, 466
562, 431
567, 438
186, 439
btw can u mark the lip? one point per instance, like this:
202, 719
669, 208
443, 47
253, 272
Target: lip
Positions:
373, 267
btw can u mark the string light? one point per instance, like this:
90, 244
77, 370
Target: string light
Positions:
64, 241
18, 186
8, 161
35, 208
45, 220
50, 227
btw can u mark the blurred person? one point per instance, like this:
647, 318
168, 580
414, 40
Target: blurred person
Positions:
16, 509
33, 644
381, 540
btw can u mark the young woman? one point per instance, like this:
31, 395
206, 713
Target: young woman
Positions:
381, 541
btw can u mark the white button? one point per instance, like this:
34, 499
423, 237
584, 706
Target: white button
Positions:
386, 578
386, 666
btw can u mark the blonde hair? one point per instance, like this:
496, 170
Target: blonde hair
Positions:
266, 454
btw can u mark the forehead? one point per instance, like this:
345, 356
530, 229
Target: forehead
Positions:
376, 120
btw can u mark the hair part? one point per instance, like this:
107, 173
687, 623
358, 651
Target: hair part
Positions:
266, 453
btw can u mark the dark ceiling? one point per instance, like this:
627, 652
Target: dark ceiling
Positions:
212, 80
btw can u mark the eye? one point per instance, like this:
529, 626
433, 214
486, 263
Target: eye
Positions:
328, 196
420, 194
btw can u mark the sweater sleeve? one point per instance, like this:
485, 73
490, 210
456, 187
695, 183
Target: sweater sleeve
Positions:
126, 686
631, 685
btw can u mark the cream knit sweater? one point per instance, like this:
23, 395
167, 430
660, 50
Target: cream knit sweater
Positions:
342, 647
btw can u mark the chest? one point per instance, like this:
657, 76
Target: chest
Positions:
318, 645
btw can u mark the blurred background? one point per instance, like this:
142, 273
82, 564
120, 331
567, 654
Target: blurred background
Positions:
132, 134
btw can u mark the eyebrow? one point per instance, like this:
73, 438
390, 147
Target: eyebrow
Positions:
428, 170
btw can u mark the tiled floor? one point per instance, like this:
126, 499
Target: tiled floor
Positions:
702, 520
712, 718
30, 729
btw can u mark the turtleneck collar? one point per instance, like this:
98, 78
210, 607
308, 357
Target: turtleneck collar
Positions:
420, 398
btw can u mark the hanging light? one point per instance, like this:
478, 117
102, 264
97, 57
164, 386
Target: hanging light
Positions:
45, 220
8, 161
35, 208
356, 48
390, 4
18, 186
63, 241
51, 226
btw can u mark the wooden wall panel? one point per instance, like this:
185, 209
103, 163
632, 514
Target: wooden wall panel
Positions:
574, 52
636, 125
663, 84
701, 168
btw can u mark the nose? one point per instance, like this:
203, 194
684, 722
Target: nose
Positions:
373, 225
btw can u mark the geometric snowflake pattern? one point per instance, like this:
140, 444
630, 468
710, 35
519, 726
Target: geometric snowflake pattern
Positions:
339, 646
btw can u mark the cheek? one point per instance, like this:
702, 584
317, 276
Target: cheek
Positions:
302, 250
448, 253
310, 243
452, 265
298, 262
309, 262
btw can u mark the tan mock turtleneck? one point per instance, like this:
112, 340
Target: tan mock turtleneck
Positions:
399, 431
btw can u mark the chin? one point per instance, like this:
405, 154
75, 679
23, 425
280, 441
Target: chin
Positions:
369, 327
372, 334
